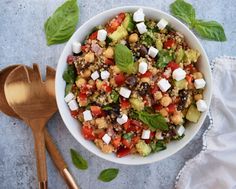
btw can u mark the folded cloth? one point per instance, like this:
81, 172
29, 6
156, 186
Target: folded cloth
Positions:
215, 166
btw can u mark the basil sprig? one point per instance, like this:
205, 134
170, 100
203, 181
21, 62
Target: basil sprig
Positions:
124, 59
78, 160
154, 121
211, 30
108, 175
62, 24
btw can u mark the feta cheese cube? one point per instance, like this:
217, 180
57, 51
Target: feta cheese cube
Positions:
106, 138
164, 85
76, 47
146, 134
180, 130
152, 52
138, 15
162, 24
102, 35
69, 97
142, 68
142, 28
201, 105
73, 105
178, 74
105, 74
159, 136
87, 115
125, 92
122, 119
199, 83
95, 75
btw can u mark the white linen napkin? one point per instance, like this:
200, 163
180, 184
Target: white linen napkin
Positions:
215, 166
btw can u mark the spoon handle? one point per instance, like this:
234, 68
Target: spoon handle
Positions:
39, 143
59, 161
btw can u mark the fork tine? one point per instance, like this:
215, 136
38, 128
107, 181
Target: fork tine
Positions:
37, 73
50, 73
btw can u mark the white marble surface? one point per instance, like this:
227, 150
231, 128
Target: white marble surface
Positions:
22, 40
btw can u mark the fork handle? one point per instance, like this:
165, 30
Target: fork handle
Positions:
40, 153
59, 161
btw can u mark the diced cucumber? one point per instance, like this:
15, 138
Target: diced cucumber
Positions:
193, 114
119, 34
182, 84
137, 104
179, 55
128, 22
159, 44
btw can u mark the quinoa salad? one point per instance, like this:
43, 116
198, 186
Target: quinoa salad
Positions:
133, 84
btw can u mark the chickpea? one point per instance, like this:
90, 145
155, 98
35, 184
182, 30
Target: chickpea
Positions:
109, 52
89, 57
86, 73
133, 38
177, 118
164, 112
197, 75
80, 82
116, 70
198, 97
154, 70
145, 80
99, 84
165, 101
91, 82
112, 82
157, 95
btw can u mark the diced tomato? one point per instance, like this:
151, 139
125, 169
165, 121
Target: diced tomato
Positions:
147, 141
70, 59
152, 134
120, 79
189, 79
154, 89
172, 65
109, 61
74, 113
96, 110
101, 134
127, 143
147, 74
84, 89
124, 104
115, 23
84, 48
93, 36
171, 108
132, 126
123, 152
88, 133
158, 107
169, 43
108, 88
135, 139
82, 96
127, 125
116, 142
190, 68
176, 101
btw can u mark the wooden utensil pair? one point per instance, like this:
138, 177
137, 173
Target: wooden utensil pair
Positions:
24, 95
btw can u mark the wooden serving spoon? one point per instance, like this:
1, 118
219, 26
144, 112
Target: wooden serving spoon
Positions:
51, 147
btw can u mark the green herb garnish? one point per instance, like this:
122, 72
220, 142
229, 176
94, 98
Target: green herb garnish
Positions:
62, 24
69, 74
127, 136
78, 160
114, 96
159, 146
124, 59
164, 57
107, 107
211, 30
68, 88
108, 175
154, 121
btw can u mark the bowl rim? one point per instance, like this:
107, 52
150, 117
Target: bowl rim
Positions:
200, 122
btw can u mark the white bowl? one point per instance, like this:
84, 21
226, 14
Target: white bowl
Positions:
74, 126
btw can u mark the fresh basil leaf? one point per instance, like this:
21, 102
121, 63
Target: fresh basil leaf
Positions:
184, 11
164, 57
68, 88
154, 121
159, 146
210, 30
62, 24
108, 175
69, 74
114, 96
78, 160
124, 59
